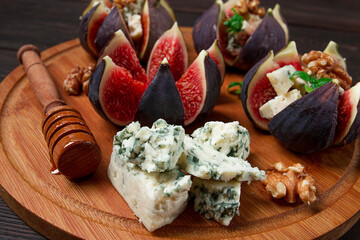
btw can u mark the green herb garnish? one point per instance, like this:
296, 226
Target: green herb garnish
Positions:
235, 23
235, 84
314, 83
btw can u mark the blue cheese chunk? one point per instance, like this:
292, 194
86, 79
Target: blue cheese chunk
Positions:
280, 79
217, 200
155, 198
277, 104
230, 138
206, 163
155, 149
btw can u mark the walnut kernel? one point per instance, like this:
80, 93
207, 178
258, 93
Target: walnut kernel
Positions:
322, 65
77, 79
287, 182
244, 7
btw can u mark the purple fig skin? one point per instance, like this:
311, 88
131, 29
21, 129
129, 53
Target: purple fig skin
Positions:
113, 22
268, 36
213, 87
94, 85
204, 31
161, 99
83, 29
354, 131
308, 124
160, 20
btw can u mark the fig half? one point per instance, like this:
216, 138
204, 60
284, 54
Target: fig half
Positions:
257, 89
199, 88
171, 45
113, 22
270, 34
205, 27
120, 50
157, 17
348, 121
161, 99
216, 55
114, 93
89, 26
308, 124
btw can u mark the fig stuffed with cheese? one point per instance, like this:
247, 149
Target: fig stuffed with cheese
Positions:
245, 31
306, 102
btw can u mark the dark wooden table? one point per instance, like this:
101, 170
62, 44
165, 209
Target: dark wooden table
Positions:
46, 23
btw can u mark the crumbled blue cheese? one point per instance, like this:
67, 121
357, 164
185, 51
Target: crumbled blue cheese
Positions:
206, 163
135, 27
155, 198
131, 8
280, 79
277, 104
132, 15
155, 149
217, 200
230, 138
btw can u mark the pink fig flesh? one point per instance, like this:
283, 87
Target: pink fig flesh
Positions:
199, 88
89, 27
119, 49
171, 45
347, 114
114, 93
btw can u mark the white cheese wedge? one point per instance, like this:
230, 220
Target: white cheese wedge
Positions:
217, 200
207, 163
155, 198
230, 138
155, 149
280, 79
277, 104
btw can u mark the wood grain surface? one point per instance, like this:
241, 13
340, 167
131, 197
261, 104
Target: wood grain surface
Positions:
47, 23
60, 209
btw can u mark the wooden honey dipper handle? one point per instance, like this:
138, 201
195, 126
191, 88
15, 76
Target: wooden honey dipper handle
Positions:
72, 147
39, 77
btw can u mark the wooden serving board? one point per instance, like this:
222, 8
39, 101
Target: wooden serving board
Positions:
93, 209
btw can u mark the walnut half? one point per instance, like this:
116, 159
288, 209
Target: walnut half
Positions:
78, 79
287, 182
322, 65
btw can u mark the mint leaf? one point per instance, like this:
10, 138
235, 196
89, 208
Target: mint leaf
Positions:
323, 81
303, 75
310, 79
309, 89
235, 23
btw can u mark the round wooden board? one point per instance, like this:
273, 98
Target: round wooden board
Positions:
93, 209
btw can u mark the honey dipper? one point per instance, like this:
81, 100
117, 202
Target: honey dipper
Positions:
72, 147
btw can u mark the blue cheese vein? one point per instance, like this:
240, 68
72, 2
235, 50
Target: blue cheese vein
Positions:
230, 138
206, 163
217, 200
155, 149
